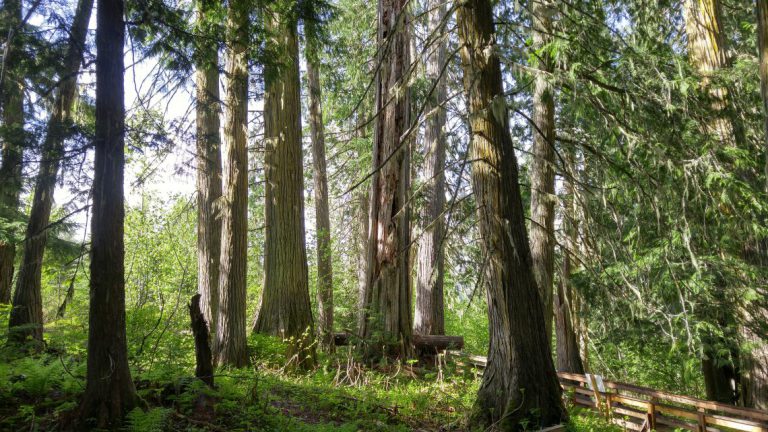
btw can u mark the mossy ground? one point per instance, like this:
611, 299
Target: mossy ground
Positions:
38, 393
41, 392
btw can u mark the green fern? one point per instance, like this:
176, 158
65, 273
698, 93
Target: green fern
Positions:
153, 420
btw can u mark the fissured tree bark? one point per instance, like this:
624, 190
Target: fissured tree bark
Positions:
322, 216
109, 392
285, 309
386, 320
208, 147
543, 159
230, 341
429, 318
519, 382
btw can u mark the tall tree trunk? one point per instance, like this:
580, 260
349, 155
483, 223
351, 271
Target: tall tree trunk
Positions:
12, 137
285, 309
430, 315
208, 143
568, 354
230, 342
386, 323
109, 392
519, 382
755, 383
543, 160
26, 319
708, 54
322, 217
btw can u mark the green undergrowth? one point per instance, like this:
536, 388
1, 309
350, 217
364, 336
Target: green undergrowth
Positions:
41, 392
584, 420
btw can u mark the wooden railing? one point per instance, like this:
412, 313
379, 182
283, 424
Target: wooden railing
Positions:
640, 408
643, 409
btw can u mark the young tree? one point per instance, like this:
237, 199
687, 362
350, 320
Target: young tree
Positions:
363, 220
362, 214
519, 381
285, 309
230, 342
386, 322
26, 320
208, 146
429, 318
109, 392
543, 159
12, 137
322, 217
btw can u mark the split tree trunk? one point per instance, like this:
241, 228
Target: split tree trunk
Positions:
568, 353
109, 392
386, 323
26, 320
12, 137
543, 160
519, 382
208, 147
285, 309
230, 342
430, 314
322, 216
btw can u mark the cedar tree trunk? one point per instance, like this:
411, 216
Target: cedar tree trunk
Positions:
519, 382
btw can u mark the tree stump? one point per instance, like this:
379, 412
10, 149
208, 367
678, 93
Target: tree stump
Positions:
203, 357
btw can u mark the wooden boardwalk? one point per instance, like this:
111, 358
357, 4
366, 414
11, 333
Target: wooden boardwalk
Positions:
639, 408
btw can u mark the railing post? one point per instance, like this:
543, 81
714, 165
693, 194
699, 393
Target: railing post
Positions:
651, 415
702, 420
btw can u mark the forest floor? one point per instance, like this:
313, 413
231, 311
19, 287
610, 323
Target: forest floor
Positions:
38, 392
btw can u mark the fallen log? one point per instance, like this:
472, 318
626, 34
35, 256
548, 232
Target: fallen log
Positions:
474, 360
424, 342
439, 343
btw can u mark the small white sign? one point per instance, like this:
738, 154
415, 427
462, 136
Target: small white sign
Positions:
598, 380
